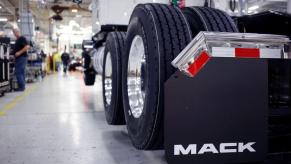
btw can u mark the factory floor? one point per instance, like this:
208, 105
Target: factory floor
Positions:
61, 121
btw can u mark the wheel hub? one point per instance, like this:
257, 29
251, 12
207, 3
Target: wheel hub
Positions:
108, 79
136, 77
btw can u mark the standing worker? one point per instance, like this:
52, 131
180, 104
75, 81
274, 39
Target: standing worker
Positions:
65, 59
20, 51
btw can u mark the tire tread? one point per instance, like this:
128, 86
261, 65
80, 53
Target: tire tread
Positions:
214, 19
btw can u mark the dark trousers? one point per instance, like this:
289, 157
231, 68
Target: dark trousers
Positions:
20, 65
65, 66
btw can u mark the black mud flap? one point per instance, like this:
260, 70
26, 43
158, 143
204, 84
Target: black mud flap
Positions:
89, 77
220, 115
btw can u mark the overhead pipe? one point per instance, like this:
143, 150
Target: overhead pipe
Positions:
289, 6
8, 6
242, 7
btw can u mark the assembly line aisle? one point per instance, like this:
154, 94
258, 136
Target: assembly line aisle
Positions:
61, 121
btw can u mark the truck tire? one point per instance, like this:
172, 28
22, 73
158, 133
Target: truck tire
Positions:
208, 19
156, 34
111, 78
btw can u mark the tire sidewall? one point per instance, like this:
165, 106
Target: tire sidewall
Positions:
139, 127
110, 108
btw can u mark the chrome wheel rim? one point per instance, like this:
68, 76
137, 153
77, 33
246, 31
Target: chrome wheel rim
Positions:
108, 79
135, 77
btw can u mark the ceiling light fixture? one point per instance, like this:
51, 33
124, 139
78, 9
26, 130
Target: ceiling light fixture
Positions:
254, 8
74, 10
3, 19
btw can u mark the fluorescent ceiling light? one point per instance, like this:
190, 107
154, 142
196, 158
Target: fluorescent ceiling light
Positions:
88, 46
74, 10
254, 7
3, 19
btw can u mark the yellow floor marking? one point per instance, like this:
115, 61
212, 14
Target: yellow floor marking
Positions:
14, 102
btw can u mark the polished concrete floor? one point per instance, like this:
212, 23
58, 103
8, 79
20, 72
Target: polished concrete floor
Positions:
61, 121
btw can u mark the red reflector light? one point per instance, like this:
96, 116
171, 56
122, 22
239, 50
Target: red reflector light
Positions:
195, 67
247, 53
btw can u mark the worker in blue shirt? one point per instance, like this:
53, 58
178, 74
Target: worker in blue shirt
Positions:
20, 52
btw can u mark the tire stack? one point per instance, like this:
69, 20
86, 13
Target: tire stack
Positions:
4, 65
140, 63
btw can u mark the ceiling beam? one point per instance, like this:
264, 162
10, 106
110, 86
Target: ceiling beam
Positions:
8, 6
